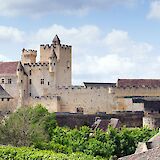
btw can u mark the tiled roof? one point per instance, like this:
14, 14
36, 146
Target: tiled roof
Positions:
151, 154
138, 83
155, 141
8, 67
3, 93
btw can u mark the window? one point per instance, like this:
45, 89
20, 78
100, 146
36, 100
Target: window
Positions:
21, 81
48, 83
2, 81
9, 81
42, 81
30, 94
7, 99
2, 99
30, 81
79, 110
30, 72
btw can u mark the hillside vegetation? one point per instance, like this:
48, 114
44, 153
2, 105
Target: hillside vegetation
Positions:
37, 128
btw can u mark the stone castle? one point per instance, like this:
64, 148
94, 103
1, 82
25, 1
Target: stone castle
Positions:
49, 82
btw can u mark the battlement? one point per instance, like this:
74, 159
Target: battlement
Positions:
46, 46
63, 46
37, 64
46, 97
63, 88
29, 52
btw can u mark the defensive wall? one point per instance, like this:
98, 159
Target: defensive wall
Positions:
128, 119
88, 99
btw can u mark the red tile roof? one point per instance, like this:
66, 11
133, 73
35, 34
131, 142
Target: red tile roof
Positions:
8, 67
138, 83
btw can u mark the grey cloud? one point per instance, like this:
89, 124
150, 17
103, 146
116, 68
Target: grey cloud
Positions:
40, 7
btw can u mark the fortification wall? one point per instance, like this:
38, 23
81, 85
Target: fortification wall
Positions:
129, 119
91, 99
50, 102
137, 91
126, 104
123, 102
152, 120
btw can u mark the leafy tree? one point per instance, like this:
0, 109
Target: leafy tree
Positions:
27, 126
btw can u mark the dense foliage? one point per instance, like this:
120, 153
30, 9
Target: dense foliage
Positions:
36, 127
24, 153
105, 144
27, 126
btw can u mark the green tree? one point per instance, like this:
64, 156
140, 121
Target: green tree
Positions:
27, 126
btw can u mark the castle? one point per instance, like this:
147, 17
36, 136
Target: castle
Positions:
49, 82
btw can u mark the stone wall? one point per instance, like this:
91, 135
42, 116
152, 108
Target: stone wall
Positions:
129, 119
152, 120
90, 99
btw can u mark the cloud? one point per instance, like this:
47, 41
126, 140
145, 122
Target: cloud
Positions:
10, 34
40, 7
154, 12
97, 56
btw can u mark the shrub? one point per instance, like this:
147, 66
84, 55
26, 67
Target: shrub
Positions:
8, 152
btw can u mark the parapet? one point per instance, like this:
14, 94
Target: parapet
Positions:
29, 52
63, 46
46, 46
37, 64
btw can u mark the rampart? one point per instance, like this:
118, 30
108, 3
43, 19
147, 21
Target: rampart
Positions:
75, 97
128, 119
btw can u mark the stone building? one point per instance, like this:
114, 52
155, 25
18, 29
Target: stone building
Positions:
49, 82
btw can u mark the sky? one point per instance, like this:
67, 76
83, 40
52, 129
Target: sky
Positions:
110, 39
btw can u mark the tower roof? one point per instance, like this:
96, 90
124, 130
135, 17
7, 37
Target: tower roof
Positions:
56, 40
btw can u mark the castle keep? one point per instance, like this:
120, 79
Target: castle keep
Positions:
49, 82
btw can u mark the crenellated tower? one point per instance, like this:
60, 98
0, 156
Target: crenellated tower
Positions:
59, 58
29, 56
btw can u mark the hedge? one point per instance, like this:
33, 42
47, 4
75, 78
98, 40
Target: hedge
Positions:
28, 153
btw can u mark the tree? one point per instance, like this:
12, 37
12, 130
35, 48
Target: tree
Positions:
27, 126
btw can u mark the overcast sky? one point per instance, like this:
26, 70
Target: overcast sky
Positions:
111, 39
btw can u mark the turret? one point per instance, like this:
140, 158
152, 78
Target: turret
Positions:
52, 62
29, 56
20, 72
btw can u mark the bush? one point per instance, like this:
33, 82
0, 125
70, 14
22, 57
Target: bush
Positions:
7, 152
105, 144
